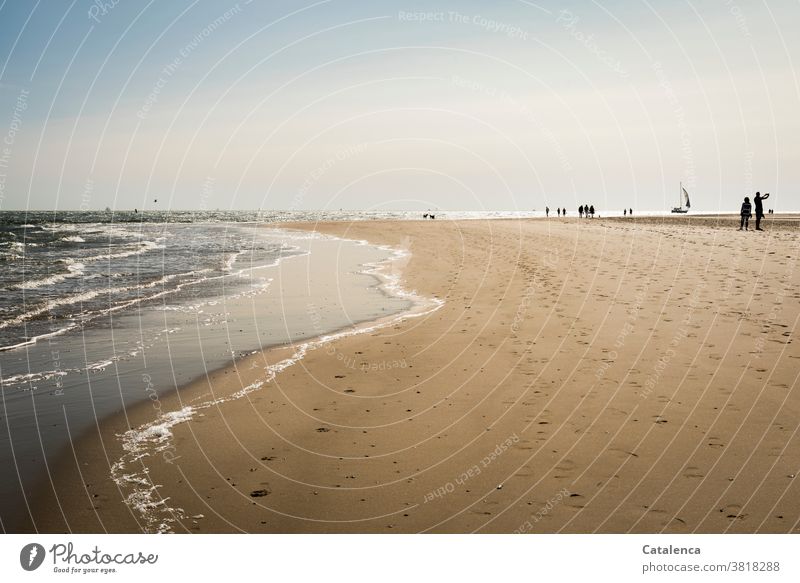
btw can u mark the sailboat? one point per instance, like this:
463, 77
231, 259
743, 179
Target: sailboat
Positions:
683, 199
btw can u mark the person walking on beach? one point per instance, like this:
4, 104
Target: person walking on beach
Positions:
558, 210
591, 210
624, 212
547, 211
630, 212
746, 208
759, 209
580, 211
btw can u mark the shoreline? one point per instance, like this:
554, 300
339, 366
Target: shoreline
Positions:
224, 511
280, 356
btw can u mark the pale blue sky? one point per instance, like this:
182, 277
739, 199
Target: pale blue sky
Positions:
397, 105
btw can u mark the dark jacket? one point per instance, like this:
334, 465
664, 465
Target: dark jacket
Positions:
746, 209
759, 207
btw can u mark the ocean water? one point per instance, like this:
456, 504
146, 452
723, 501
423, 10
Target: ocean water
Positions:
96, 316
63, 276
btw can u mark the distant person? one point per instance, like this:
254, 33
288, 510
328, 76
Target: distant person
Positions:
759, 209
745, 212
558, 210
547, 211
624, 212
580, 211
630, 212
591, 210
564, 212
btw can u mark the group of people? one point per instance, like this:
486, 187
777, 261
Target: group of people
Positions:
583, 211
747, 211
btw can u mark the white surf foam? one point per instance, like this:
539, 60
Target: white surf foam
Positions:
74, 269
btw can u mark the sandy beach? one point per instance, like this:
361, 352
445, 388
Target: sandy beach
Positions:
602, 375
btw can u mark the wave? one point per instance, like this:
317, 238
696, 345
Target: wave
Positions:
36, 376
144, 247
89, 295
74, 269
35, 339
80, 229
232, 258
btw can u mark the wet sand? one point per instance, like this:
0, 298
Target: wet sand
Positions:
581, 376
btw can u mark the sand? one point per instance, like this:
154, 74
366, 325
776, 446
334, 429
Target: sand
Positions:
581, 376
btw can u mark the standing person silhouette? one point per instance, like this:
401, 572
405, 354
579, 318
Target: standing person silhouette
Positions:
759, 209
745, 213
591, 210
624, 212
630, 212
558, 210
580, 211
547, 211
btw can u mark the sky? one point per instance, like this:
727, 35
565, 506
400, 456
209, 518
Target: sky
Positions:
328, 104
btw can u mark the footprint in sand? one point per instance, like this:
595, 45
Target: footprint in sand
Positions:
693, 472
733, 512
565, 467
624, 453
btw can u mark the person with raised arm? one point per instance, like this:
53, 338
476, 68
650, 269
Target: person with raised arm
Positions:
759, 209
